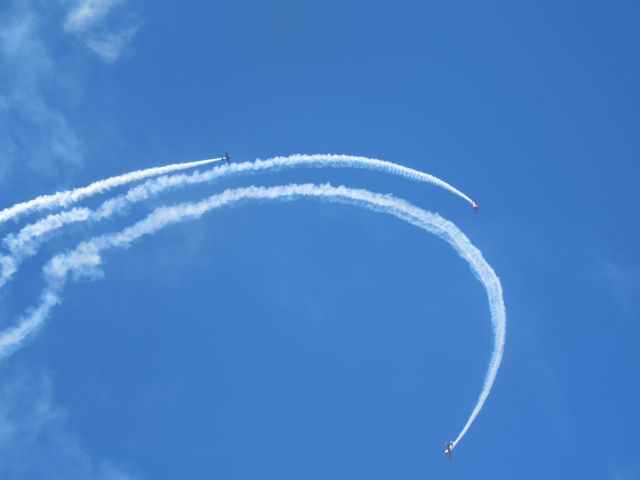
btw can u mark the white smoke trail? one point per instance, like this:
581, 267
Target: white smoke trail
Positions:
25, 242
280, 163
355, 161
85, 259
68, 197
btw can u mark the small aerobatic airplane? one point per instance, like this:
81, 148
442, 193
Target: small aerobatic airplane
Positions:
448, 449
475, 206
226, 158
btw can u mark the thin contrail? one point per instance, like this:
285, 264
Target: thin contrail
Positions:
68, 197
86, 258
25, 243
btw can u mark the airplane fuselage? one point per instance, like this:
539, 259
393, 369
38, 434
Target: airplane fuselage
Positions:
448, 449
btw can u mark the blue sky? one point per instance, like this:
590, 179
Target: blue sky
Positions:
311, 340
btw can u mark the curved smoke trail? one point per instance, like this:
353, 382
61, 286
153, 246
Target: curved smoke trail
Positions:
285, 162
25, 243
68, 197
86, 258
355, 161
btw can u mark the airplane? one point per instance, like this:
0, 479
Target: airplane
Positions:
226, 158
448, 449
475, 206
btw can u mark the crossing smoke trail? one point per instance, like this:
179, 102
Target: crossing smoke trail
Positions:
86, 258
68, 197
25, 242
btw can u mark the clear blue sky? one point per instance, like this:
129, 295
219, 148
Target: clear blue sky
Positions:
305, 340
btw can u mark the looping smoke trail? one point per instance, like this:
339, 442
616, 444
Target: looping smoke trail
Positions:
85, 259
24, 243
68, 197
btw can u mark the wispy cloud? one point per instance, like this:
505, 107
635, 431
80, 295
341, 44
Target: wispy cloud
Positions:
624, 474
34, 441
110, 46
34, 133
102, 26
87, 13
623, 282
38, 139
